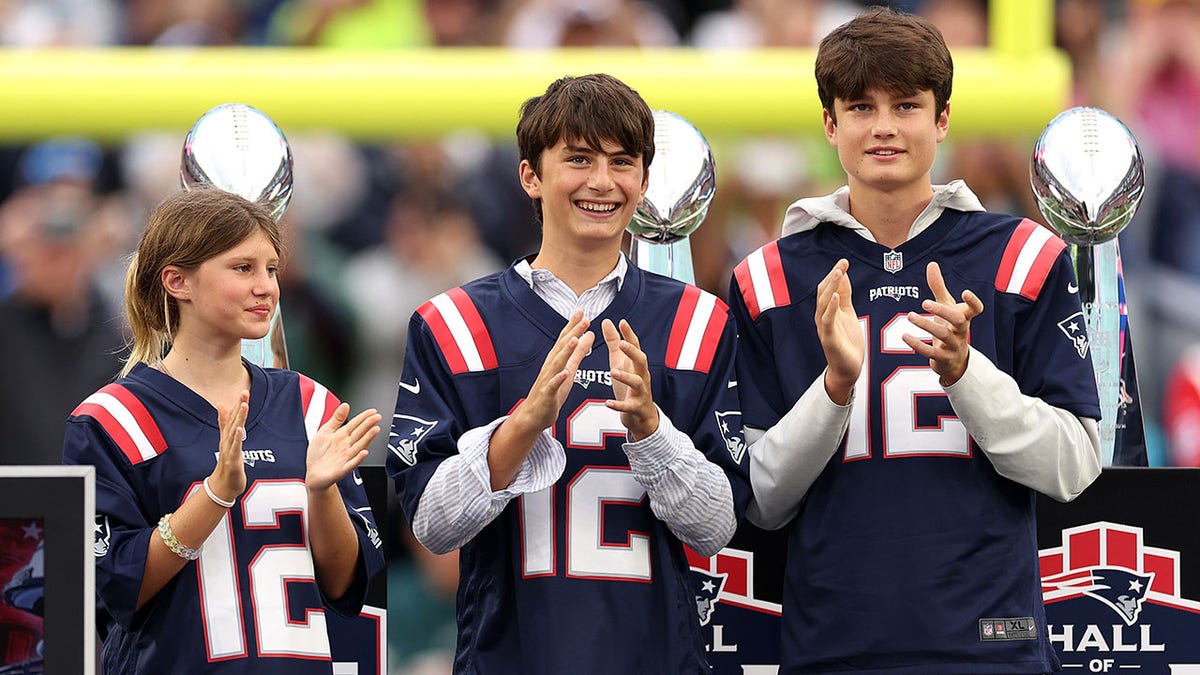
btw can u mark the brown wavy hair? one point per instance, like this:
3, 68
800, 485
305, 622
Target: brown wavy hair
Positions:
590, 108
900, 53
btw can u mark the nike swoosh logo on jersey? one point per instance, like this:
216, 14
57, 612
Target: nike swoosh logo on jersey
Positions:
1072, 289
414, 388
731, 385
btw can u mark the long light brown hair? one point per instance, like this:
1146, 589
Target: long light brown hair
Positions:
184, 230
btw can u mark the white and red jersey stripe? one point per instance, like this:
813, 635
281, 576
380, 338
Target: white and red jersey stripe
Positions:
1028, 259
699, 322
760, 276
317, 404
126, 421
460, 332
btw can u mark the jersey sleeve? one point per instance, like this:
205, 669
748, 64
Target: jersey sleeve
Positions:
318, 404
122, 529
427, 421
1052, 355
757, 378
716, 425
369, 544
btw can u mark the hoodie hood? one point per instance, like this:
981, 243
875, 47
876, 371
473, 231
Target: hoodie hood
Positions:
806, 214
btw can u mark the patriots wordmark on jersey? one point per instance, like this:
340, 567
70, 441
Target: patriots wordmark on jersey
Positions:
582, 576
250, 603
909, 544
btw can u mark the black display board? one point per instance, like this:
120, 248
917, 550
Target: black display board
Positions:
1120, 574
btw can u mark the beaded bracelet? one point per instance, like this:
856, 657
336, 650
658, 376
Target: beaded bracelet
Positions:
168, 537
213, 496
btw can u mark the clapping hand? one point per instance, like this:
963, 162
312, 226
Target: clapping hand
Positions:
630, 372
839, 332
950, 328
228, 479
340, 446
554, 382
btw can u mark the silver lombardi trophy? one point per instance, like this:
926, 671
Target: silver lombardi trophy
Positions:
239, 149
683, 179
1088, 177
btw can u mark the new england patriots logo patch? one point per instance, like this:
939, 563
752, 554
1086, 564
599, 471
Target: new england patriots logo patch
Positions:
730, 424
102, 534
404, 443
1073, 328
364, 512
707, 586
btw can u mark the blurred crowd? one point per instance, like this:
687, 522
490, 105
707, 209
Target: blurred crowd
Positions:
377, 229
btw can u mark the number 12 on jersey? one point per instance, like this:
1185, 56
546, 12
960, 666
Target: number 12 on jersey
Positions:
589, 492
900, 392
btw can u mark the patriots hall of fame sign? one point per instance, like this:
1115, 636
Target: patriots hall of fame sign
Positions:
1121, 573
1120, 569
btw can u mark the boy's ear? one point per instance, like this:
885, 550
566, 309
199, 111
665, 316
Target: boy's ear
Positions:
830, 126
943, 123
529, 180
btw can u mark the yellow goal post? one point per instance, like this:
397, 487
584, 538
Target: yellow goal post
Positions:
1013, 87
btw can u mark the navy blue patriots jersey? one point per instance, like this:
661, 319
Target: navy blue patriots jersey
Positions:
250, 603
909, 542
580, 577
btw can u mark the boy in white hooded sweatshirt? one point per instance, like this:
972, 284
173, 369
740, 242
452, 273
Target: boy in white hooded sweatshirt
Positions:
898, 433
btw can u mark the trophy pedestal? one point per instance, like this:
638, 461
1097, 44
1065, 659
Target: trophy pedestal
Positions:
670, 260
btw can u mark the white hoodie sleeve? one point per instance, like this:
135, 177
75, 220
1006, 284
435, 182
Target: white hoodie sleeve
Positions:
786, 459
1027, 440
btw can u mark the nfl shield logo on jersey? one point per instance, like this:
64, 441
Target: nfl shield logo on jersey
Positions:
893, 261
404, 444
